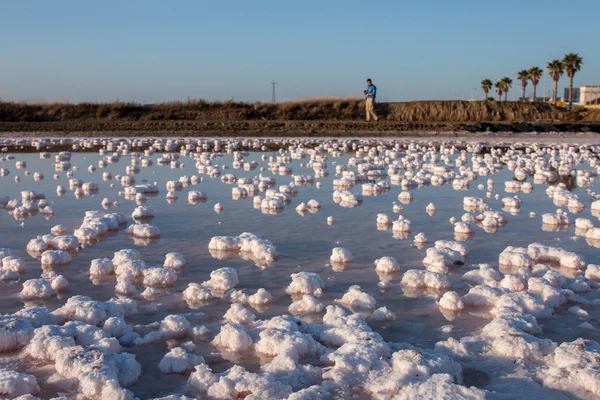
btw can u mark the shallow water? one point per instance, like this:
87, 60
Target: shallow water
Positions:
304, 244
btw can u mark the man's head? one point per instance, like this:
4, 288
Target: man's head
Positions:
369, 83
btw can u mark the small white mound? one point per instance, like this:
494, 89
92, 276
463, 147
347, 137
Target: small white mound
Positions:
306, 305
417, 278
233, 338
196, 293
341, 255
387, 265
222, 279
158, 277
306, 283
15, 333
174, 327
14, 384
102, 267
383, 314
451, 301
178, 361
55, 257
357, 299
143, 231
261, 297
142, 212
238, 314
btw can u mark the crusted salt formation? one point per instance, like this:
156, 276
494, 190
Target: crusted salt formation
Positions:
306, 283
247, 245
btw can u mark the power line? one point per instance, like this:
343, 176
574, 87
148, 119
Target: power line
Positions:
273, 94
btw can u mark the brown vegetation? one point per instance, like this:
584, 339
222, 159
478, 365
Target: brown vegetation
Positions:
305, 110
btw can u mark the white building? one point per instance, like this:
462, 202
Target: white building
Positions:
589, 95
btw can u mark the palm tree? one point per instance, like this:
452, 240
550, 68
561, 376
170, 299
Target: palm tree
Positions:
499, 86
571, 63
555, 70
523, 76
535, 74
486, 85
506, 85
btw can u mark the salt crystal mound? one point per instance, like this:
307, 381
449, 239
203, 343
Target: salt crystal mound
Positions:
48, 340
196, 196
383, 219
387, 265
233, 338
592, 272
451, 301
383, 314
417, 278
84, 309
306, 305
122, 256
260, 298
306, 283
558, 219
238, 314
196, 293
347, 199
159, 277
573, 367
142, 212
100, 375
101, 267
341, 255
566, 259
144, 231
445, 254
174, 326
356, 299
14, 384
55, 257
247, 245
474, 204
15, 333
222, 280
12, 263
133, 268
401, 225
174, 261
43, 288
102, 223
178, 361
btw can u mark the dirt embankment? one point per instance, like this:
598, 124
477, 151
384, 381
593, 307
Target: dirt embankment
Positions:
310, 117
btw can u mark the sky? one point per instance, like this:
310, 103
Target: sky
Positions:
166, 50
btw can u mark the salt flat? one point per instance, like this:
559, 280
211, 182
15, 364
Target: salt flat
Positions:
300, 268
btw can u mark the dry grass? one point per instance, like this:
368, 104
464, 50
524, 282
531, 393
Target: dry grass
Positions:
331, 109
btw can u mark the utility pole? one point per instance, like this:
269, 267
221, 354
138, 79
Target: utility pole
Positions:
544, 89
273, 94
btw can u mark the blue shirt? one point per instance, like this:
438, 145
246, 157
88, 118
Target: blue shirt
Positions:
371, 91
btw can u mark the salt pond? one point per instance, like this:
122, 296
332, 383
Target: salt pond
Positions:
196, 308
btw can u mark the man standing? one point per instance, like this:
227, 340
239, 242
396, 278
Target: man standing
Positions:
370, 94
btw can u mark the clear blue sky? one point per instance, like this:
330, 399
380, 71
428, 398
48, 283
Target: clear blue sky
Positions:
157, 50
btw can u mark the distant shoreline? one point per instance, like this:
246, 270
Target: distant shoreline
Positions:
286, 129
316, 117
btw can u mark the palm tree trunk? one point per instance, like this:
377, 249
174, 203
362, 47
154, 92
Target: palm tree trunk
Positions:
499, 96
534, 90
485, 92
505, 96
523, 94
570, 91
555, 91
